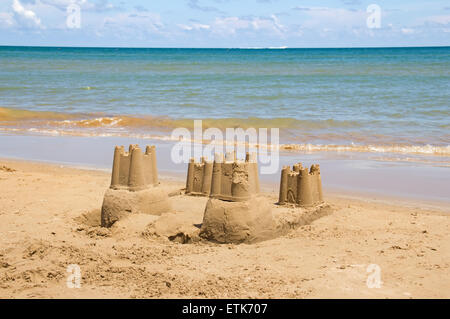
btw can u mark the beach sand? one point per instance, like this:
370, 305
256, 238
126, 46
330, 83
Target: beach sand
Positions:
50, 215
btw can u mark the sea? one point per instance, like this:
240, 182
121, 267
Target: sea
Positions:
388, 105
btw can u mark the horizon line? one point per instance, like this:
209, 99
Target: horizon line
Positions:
225, 48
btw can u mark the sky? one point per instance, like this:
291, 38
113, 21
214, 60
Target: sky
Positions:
225, 23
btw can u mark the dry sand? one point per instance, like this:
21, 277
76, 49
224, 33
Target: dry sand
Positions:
49, 217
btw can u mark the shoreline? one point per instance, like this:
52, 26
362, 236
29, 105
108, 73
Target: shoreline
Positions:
346, 173
271, 188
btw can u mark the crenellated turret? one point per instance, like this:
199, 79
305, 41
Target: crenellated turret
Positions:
198, 181
228, 179
134, 170
133, 180
300, 186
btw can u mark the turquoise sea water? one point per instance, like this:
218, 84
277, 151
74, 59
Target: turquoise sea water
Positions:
382, 100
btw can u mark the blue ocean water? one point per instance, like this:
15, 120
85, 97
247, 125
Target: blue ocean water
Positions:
382, 98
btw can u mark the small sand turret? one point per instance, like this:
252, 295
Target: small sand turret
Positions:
234, 213
134, 170
234, 180
199, 176
230, 180
300, 186
134, 185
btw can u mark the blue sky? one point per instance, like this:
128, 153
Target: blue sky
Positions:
223, 23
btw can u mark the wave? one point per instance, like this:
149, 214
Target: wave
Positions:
399, 149
92, 120
12, 114
24, 118
95, 124
430, 150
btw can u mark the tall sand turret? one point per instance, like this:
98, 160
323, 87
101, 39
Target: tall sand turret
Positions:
134, 185
301, 186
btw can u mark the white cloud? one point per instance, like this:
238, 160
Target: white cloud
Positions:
61, 4
230, 25
86, 5
407, 31
442, 19
6, 20
271, 24
136, 25
277, 23
194, 26
194, 4
25, 15
325, 17
300, 26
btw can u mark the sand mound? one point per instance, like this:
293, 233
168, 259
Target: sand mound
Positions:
238, 222
120, 203
90, 224
91, 218
222, 222
129, 226
289, 218
132, 225
178, 227
5, 168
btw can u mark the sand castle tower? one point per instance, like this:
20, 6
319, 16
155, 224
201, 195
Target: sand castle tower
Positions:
300, 186
134, 170
234, 180
234, 213
199, 176
134, 185
230, 177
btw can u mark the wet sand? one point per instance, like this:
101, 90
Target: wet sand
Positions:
378, 175
49, 219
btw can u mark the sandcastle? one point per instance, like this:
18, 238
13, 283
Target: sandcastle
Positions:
200, 176
134, 185
134, 171
300, 186
234, 213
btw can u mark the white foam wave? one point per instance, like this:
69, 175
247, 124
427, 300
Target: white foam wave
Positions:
430, 150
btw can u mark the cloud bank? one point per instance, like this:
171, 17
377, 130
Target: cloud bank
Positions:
223, 23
